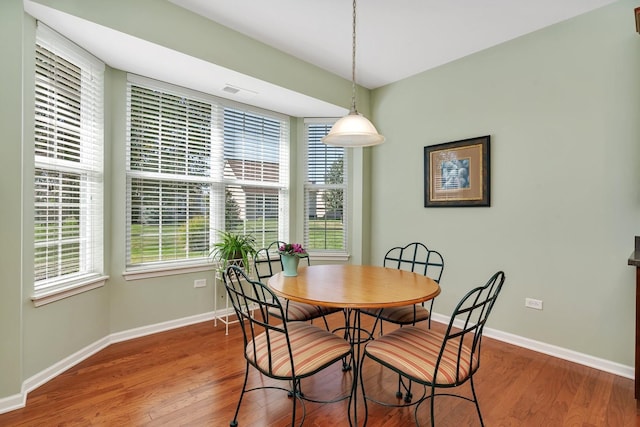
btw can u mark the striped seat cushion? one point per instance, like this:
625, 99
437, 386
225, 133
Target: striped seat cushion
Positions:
299, 311
414, 351
403, 315
312, 348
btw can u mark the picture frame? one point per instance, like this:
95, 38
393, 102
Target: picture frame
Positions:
457, 174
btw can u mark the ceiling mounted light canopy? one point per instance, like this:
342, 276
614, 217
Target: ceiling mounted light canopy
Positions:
354, 129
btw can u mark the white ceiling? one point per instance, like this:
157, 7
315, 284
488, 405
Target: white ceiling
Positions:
395, 39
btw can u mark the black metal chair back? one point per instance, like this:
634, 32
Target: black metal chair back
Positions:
416, 257
467, 324
266, 261
249, 297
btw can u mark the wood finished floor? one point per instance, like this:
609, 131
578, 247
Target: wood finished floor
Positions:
191, 376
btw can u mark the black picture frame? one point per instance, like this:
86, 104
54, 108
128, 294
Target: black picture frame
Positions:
457, 173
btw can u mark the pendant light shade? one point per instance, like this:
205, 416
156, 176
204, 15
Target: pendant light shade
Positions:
354, 129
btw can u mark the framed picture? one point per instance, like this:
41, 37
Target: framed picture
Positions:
457, 173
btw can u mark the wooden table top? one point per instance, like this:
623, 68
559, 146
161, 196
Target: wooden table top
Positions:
354, 286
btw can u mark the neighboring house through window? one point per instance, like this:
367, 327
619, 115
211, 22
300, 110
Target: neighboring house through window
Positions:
325, 190
68, 173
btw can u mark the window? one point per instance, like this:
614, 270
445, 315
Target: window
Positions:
68, 179
195, 165
325, 192
256, 175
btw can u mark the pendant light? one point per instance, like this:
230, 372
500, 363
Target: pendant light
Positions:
354, 129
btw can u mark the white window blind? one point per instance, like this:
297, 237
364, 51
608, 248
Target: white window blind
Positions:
169, 158
68, 148
325, 227
196, 165
256, 175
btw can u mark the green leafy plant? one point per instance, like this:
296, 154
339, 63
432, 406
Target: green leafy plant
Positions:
234, 248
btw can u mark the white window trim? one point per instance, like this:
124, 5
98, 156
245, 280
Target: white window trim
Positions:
327, 255
67, 290
148, 272
69, 286
194, 265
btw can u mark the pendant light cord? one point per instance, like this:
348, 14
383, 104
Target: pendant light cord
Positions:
354, 129
353, 63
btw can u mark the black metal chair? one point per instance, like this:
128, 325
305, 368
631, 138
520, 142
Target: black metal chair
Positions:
415, 257
266, 263
287, 351
439, 360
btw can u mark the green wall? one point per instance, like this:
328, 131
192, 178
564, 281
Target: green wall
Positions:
11, 22
562, 106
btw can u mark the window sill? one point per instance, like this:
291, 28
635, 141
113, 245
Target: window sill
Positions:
148, 272
329, 256
51, 295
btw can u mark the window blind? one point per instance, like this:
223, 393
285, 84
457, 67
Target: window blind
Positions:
68, 151
325, 192
169, 158
256, 175
198, 165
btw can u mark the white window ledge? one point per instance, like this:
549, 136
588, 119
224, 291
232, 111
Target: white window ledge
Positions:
60, 292
164, 270
329, 256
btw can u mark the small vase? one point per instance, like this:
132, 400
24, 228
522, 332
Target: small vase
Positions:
290, 265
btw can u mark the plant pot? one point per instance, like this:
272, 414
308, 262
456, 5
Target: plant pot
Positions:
289, 265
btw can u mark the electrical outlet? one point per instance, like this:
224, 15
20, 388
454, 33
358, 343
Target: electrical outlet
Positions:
533, 303
200, 283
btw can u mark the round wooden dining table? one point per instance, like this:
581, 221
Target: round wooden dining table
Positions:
354, 287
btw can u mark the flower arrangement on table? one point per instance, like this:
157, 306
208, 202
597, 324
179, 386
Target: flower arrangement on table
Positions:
290, 254
293, 249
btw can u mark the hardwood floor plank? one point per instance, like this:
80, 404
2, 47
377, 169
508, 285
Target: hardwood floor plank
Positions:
192, 376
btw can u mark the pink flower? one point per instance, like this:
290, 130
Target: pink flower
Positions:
292, 249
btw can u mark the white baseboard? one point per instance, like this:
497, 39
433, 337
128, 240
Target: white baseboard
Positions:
53, 371
160, 327
552, 350
11, 403
18, 401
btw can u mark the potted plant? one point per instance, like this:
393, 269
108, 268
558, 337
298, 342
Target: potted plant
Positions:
290, 254
234, 248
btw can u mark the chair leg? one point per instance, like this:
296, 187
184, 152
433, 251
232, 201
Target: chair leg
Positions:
475, 400
326, 324
295, 401
408, 395
295, 390
433, 415
354, 396
399, 393
346, 366
234, 422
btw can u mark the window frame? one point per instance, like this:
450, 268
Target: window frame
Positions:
217, 178
326, 254
62, 148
